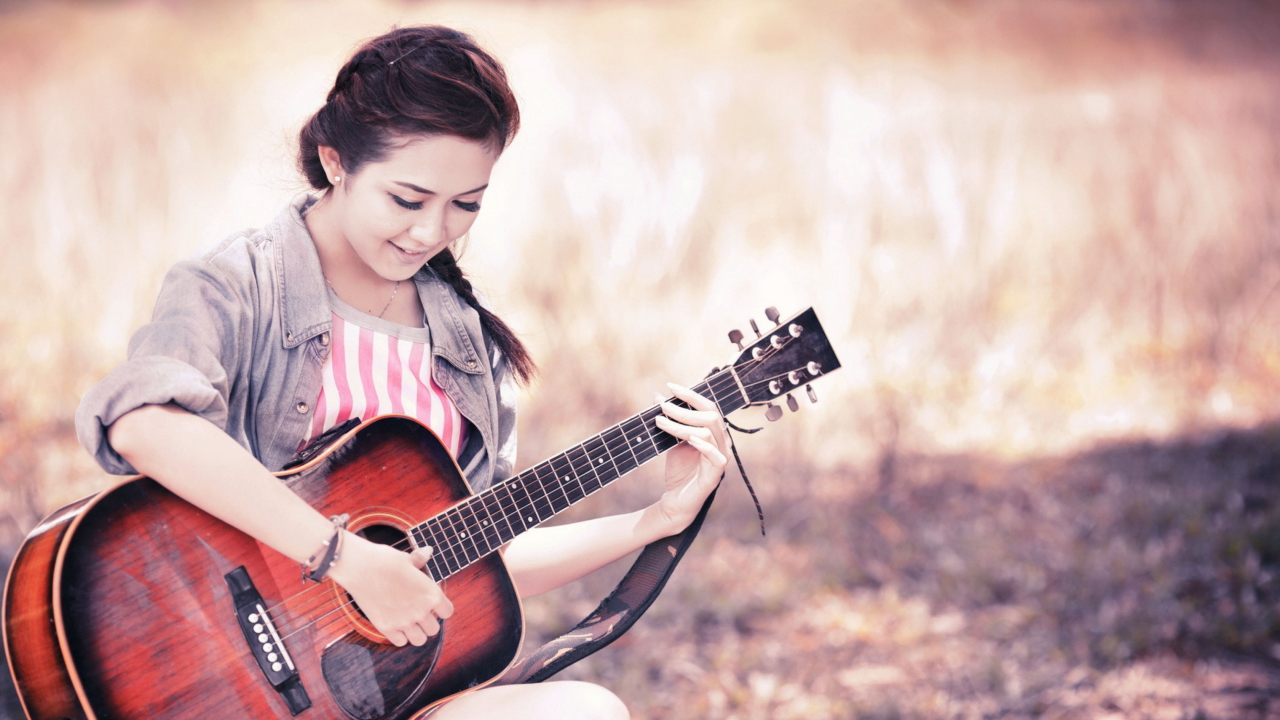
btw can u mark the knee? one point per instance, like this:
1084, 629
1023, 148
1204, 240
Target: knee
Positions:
592, 702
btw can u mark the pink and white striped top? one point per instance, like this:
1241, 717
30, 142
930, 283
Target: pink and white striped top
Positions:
377, 367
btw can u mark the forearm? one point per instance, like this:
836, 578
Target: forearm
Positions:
546, 558
201, 464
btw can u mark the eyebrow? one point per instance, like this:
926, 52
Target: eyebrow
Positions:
425, 191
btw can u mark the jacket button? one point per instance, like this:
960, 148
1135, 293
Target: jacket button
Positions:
471, 363
302, 407
324, 339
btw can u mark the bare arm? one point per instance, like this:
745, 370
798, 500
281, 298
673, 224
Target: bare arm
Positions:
546, 558
204, 466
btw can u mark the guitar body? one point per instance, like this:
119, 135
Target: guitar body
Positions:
119, 606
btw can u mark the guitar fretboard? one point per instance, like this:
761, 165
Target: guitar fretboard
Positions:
488, 520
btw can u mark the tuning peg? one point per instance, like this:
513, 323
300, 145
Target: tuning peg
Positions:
772, 412
813, 397
792, 404
735, 337
772, 314
753, 327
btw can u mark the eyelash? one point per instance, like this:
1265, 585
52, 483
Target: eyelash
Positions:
467, 206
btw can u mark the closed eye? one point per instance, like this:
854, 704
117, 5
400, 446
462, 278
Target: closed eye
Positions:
405, 203
468, 206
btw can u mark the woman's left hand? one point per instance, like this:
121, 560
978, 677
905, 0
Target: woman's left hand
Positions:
695, 466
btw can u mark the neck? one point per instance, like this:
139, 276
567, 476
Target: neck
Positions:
344, 271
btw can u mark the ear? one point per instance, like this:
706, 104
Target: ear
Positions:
331, 162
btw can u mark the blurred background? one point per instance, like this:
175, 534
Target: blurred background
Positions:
1044, 239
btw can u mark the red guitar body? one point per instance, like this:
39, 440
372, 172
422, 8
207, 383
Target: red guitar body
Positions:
118, 606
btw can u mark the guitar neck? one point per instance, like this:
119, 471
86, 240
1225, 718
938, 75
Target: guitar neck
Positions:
488, 520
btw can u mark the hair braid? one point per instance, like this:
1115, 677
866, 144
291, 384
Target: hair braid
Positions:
446, 266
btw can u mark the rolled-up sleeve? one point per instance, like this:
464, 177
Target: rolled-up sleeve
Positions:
187, 355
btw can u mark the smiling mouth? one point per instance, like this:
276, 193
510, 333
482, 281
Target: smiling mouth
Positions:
407, 255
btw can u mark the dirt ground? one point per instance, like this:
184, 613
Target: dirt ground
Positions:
1134, 580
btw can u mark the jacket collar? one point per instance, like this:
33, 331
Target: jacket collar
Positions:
453, 322
300, 293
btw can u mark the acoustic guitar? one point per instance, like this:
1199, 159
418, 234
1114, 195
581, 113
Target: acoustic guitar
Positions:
134, 604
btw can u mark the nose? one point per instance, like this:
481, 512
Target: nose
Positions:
430, 229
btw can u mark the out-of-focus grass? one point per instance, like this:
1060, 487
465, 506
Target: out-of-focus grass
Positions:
1026, 227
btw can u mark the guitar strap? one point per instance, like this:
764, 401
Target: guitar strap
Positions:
628, 601
616, 614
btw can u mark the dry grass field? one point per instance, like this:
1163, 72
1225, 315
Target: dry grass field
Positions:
1043, 237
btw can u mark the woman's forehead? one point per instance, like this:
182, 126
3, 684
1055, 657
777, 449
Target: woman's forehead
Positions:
444, 164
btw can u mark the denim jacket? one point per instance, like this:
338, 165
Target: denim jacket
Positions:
239, 336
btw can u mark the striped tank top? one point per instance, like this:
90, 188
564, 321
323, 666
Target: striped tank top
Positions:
377, 367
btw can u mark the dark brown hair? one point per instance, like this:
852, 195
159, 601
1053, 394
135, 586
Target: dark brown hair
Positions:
414, 81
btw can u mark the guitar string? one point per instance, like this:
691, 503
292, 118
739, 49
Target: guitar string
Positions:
543, 507
322, 594
317, 622
327, 595
534, 483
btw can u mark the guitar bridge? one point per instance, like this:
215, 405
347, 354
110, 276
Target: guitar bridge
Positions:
265, 641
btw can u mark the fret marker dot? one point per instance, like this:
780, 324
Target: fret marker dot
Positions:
600, 461
529, 519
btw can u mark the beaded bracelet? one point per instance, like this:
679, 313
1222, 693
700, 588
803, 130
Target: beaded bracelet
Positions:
318, 565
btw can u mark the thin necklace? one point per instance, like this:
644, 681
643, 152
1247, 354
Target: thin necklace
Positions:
394, 290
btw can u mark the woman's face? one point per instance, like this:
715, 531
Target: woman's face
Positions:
398, 213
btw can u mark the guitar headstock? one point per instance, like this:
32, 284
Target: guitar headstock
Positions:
784, 359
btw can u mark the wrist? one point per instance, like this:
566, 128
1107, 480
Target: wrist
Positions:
317, 566
655, 523
342, 566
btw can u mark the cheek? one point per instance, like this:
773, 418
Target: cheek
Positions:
459, 223
375, 221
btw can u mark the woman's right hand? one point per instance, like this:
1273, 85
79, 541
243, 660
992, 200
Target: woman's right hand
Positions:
389, 585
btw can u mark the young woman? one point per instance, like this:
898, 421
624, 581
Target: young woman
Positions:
350, 304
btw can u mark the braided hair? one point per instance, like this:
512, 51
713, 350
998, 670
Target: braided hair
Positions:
426, 80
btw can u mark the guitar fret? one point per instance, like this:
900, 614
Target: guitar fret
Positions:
582, 465
440, 550
569, 482
641, 440
523, 509
620, 449
492, 535
505, 509
463, 517
553, 478
543, 502
451, 543
598, 453
419, 538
